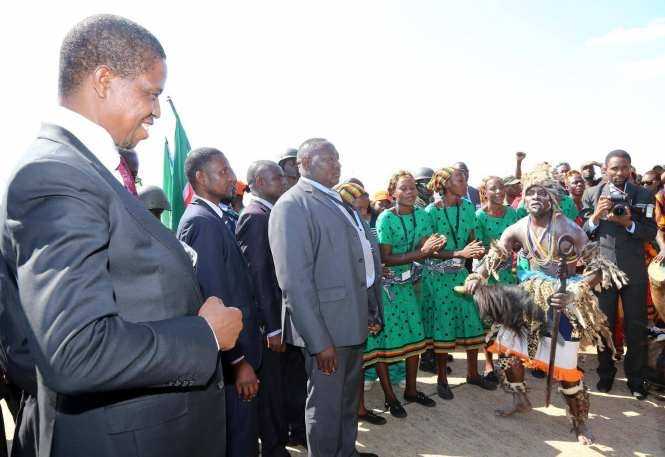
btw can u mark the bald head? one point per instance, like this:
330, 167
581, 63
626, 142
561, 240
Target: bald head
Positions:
266, 180
318, 160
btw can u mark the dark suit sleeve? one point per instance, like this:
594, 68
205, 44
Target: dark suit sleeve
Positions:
589, 203
59, 224
252, 235
203, 236
645, 228
375, 305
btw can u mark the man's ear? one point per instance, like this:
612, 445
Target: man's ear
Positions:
201, 178
101, 80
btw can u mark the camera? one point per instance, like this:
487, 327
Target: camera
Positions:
619, 201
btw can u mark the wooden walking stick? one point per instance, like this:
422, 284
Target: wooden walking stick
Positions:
565, 248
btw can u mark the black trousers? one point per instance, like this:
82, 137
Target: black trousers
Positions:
296, 391
242, 424
634, 300
273, 426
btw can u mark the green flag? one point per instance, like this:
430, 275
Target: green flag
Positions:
180, 193
167, 182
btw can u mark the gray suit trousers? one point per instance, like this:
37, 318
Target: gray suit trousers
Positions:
331, 411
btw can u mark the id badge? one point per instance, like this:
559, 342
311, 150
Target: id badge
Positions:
650, 209
406, 275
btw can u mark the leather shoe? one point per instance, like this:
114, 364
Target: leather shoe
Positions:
396, 409
481, 382
372, 418
638, 390
443, 389
421, 399
367, 454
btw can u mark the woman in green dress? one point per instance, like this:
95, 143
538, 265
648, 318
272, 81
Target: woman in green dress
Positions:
405, 236
491, 220
453, 320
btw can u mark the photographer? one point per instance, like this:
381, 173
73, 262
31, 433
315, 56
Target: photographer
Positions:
622, 221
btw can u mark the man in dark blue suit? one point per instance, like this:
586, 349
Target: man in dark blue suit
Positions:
267, 183
222, 268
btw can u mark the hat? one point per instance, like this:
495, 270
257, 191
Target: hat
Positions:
349, 191
423, 173
511, 180
381, 195
290, 153
154, 198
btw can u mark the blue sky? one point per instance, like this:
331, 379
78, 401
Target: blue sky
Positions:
395, 84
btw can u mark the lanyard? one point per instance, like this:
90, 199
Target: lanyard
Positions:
406, 234
348, 208
456, 228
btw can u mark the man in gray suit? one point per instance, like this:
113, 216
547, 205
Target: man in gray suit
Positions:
326, 270
126, 350
622, 235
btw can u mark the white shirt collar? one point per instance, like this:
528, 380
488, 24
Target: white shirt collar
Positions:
93, 136
215, 208
263, 201
322, 188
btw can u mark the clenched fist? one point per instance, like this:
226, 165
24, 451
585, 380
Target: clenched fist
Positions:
226, 323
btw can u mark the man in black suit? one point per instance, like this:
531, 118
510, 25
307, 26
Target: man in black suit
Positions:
126, 350
622, 235
267, 183
222, 271
296, 383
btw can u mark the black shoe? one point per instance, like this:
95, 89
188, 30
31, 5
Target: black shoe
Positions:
372, 418
396, 409
480, 382
367, 454
638, 390
443, 389
491, 377
421, 399
604, 385
295, 441
536, 373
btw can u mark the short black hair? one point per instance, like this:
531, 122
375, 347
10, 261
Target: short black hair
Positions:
197, 160
105, 39
258, 167
313, 146
620, 153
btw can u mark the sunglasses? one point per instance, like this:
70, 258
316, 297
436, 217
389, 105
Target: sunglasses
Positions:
648, 183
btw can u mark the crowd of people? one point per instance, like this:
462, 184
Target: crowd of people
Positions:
280, 300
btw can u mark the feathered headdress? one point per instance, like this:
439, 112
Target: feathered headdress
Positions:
543, 176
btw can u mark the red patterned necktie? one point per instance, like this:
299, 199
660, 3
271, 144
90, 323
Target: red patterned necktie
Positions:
127, 177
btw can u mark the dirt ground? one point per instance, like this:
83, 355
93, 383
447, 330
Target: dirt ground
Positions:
466, 425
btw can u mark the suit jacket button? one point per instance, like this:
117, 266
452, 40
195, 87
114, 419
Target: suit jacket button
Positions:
360, 260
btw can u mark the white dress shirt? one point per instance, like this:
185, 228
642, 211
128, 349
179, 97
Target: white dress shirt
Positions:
370, 274
93, 136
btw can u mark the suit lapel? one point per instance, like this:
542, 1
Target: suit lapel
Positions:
327, 201
133, 205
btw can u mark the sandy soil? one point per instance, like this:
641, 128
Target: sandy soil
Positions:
466, 425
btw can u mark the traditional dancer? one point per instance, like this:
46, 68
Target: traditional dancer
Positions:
521, 334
